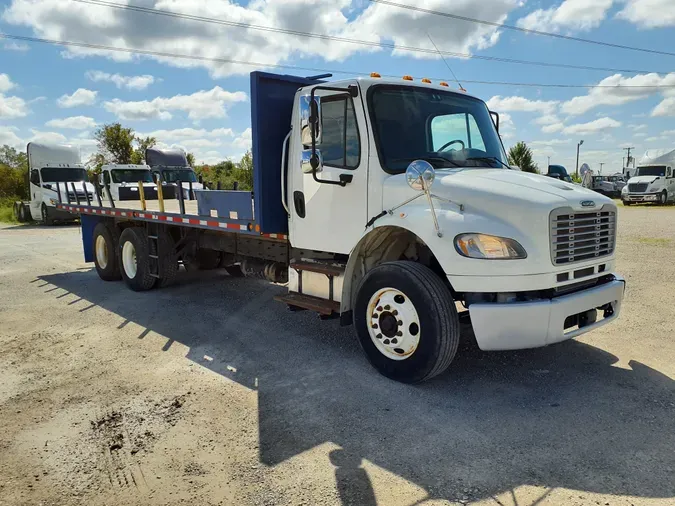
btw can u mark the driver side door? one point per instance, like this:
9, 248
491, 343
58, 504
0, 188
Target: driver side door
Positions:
324, 215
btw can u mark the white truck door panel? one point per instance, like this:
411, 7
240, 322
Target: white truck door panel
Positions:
35, 194
330, 217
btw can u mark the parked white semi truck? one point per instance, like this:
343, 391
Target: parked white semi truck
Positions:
386, 204
122, 182
55, 173
653, 180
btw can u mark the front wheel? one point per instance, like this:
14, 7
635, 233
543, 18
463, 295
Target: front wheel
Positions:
406, 321
45, 216
663, 199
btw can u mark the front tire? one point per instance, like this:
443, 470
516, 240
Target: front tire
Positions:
46, 220
135, 259
406, 321
105, 258
663, 199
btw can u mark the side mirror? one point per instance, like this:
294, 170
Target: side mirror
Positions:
310, 117
310, 164
420, 175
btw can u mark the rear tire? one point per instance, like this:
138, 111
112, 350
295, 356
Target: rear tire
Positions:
105, 257
413, 312
169, 264
135, 260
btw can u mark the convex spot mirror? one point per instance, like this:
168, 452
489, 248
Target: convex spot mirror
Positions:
420, 175
308, 165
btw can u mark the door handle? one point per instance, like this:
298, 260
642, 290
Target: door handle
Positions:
299, 202
346, 179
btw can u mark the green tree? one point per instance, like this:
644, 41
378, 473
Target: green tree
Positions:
245, 171
138, 155
521, 156
115, 144
13, 174
191, 159
13, 158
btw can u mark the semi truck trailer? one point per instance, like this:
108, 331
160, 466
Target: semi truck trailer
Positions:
389, 205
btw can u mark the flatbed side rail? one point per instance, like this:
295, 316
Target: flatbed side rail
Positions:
190, 221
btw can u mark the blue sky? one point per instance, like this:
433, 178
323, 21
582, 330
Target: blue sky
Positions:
204, 107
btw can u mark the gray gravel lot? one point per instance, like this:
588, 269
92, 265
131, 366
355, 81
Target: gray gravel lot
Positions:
209, 392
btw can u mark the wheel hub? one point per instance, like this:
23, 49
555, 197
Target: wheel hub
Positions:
101, 252
394, 325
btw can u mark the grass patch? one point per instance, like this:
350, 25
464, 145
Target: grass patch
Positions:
7, 215
655, 241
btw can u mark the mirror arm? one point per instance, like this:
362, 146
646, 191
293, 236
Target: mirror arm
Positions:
352, 91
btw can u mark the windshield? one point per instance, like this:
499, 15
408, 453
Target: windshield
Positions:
557, 169
63, 175
130, 176
182, 175
442, 127
651, 171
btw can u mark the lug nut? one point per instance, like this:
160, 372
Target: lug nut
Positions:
386, 341
379, 336
375, 326
387, 307
399, 334
399, 323
394, 341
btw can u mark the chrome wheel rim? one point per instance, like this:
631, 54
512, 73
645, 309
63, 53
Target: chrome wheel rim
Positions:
129, 260
101, 252
393, 324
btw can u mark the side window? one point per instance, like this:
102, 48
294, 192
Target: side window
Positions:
340, 143
456, 127
35, 177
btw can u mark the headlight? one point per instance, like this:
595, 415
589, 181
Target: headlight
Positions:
488, 247
624, 189
53, 201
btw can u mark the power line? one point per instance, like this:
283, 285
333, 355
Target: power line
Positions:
521, 29
163, 54
334, 38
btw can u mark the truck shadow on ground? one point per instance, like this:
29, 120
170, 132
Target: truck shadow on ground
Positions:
565, 416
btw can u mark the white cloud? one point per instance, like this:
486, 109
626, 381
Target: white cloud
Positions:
129, 82
15, 46
626, 89
591, 127
200, 105
547, 119
12, 107
640, 134
555, 127
374, 22
73, 123
183, 134
570, 14
550, 142
48, 137
649, 13
8, 136
665, 108
245, 140
81, 97
637, 128
498, 103
6, 83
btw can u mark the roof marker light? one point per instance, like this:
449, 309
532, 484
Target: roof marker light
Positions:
375, 75
426, 80
407, 78
443, 83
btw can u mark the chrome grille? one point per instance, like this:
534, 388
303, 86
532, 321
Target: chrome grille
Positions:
637, 187
580, 236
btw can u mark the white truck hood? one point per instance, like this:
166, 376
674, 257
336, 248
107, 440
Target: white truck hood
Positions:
642, 179
79, 186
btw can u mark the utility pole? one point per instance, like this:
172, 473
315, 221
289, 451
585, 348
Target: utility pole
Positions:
628, 156
601, 164
549, 160
578, 146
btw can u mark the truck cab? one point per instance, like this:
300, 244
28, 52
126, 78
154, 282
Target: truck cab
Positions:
559, 172
123, 181
653, 181
55, 174
171, 166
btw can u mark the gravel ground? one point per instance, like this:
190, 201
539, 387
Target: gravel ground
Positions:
210, 393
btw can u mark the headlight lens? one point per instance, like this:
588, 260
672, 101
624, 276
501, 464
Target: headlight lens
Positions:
53, 201
488, 247
624, 189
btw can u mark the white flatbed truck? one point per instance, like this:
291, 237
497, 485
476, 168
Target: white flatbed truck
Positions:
384, 203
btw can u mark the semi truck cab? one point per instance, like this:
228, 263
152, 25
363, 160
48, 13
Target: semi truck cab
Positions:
123, 181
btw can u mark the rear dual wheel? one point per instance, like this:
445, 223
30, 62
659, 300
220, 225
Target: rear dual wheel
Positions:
105, 257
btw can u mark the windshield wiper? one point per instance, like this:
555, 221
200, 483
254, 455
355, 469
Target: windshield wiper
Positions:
489, 159
430, 159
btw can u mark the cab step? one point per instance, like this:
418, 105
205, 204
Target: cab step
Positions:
298, 300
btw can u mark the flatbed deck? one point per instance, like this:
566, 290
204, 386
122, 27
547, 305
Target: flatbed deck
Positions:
133, 210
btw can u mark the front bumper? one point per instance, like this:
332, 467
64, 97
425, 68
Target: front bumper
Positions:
640, 197
521, 325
